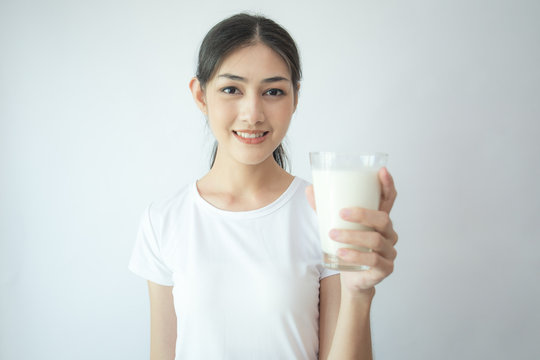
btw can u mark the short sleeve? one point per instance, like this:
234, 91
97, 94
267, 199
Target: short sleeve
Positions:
325, 272
146, 260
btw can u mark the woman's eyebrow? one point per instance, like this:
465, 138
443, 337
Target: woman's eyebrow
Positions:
232, 77
242, 79
275, 79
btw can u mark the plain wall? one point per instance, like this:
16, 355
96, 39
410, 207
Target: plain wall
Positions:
97, 121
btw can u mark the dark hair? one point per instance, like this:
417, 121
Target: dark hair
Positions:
244, 30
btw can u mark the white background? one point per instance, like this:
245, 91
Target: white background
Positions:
97, 121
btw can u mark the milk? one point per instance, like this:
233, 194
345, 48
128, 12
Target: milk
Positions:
338, 189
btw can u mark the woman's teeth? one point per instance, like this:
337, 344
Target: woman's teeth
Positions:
248, 135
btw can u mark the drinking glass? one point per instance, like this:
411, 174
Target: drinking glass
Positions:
344, 180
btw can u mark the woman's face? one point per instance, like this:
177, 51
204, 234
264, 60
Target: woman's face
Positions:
249, 103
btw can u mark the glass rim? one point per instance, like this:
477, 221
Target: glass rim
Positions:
347, 160
348, 153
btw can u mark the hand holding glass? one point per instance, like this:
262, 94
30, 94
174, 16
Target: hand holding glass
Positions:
343, 180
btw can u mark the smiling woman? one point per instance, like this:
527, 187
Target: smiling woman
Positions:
249, 102
243, 30
233, 260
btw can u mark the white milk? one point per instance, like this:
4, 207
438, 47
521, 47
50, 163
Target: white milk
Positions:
338, 189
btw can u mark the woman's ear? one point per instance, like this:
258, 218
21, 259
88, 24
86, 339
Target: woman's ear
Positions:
198, 94
296, 93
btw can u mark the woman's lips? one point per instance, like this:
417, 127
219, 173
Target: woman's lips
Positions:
251, 140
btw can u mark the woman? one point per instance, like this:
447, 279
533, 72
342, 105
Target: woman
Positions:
233, 261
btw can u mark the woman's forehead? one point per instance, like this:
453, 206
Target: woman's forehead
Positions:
256, 61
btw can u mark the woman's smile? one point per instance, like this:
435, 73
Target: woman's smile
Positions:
250, 136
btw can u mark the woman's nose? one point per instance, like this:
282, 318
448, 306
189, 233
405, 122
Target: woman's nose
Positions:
252, 109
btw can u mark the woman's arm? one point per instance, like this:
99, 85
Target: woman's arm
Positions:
344, 327
162, 322
345, 300
328, 313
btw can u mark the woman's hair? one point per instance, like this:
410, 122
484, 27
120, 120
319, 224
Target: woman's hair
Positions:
243, 30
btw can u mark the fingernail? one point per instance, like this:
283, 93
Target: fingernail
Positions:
334, 234
341, 253
346, 213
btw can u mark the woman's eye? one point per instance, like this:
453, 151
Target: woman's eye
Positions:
230, 90
274, 92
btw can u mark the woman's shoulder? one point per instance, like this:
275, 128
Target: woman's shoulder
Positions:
173, 203
298, 197
300, 185
302, 182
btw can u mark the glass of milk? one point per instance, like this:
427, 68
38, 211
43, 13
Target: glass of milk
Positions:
344, 180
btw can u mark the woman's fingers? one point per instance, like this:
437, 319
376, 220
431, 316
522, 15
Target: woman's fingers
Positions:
311, 196
369, 239
388, 190
375, 261
378, 220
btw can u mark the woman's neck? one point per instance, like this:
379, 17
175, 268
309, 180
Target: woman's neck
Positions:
241, 187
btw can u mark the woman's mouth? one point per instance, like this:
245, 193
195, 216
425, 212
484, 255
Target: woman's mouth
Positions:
250, 136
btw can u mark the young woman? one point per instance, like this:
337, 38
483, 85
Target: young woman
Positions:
233, 261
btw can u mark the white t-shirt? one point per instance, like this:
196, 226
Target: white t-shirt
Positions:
246, 284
